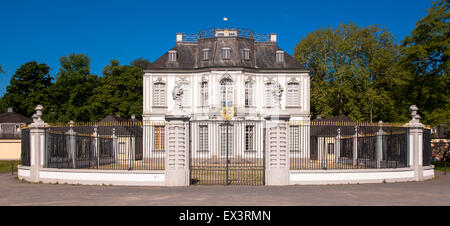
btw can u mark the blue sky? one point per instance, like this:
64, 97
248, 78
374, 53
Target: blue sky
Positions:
45, 30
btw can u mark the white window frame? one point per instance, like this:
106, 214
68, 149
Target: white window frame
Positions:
249, 94
293, 94
206, 54
204, 93
280, 56
226, 92
226, 53
172, 56
245, 54
268, 96
159, 93
186, 98
203, 138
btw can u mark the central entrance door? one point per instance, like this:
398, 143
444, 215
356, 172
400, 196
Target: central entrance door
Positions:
227, 152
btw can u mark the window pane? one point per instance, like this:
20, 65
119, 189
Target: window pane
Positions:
226, 90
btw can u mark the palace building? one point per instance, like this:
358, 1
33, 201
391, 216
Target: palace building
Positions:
234, 68
220, 74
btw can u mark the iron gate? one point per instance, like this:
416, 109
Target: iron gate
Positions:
227, 152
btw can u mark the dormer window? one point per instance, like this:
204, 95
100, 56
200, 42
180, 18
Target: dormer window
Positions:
172, 56
226, 53
245, 54
206, 54
280, 56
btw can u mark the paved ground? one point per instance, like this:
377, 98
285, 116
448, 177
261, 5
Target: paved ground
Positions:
432, 192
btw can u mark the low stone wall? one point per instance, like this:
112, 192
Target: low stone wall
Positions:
357, 176
97, 177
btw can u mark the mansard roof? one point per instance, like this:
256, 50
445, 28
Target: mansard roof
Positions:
190, 54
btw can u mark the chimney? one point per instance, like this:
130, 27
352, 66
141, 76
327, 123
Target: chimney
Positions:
179, 37
319, 117
273, 37
10, 109
118, 115
133, 117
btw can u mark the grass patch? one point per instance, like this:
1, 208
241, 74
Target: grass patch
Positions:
440, 166
5, 165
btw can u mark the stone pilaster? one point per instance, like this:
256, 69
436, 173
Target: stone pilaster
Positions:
277, 150
379, 146
177, 150
37, 144
415, 143
355, 147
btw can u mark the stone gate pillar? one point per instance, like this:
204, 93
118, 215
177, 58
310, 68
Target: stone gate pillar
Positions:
37, 144
415, 143
277, 150
177, 150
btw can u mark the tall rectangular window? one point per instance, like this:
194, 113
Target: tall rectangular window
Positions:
204, 94
249, 94
158, 139
249, 138
226, 138
292, 96
203, 138
268, 95
294, 138
186, 97
159, 94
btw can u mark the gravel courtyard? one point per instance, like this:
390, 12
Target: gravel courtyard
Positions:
14, 192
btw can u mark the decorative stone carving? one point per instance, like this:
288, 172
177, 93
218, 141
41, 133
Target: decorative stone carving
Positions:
177, 95
277, 92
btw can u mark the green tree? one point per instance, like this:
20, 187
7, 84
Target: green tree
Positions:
140, 63
351, 71
120, 92
425, 60
28, 88
73, 87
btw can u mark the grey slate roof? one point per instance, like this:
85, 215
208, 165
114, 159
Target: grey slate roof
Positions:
13, 117
189, 55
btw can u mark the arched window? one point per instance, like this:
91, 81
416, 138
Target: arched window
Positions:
159, 93
293, 94
226, 91
249, 99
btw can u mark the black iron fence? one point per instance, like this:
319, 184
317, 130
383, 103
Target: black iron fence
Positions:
427, 153
227, 152
114, 146
346, 145
25, 146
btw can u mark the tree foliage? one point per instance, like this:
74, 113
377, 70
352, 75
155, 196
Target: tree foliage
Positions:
28, 88
73, 87
119, 92
351, 71
425, 60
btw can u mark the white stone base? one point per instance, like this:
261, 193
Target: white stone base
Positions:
97, 177
324, 177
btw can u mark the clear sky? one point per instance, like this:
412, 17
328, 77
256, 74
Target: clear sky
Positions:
45, 30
